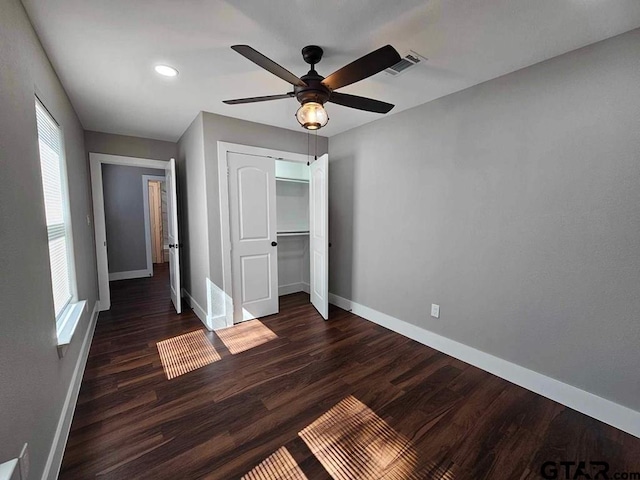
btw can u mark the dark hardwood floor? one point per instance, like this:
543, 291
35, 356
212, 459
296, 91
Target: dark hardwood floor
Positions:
303, 398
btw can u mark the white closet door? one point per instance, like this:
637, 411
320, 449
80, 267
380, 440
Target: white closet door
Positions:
254, 253
318, 234
174, 241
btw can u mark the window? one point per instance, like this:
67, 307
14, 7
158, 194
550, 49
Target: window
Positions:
56, 197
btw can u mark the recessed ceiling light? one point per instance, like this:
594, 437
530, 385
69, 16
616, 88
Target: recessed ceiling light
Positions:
166, 70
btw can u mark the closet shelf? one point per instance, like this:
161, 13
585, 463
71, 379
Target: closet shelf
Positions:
293, 180
292, 233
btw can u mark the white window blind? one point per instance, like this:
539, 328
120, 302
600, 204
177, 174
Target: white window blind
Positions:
55, 198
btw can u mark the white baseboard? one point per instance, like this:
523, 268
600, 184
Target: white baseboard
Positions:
130, 274
592, 405
54, 461
197, 309
217, 323
293, 288
341, 302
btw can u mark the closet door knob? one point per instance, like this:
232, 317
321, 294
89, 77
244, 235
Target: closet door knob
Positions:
274, 244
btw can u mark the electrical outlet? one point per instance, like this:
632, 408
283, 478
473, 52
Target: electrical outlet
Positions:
23, 460
435, 310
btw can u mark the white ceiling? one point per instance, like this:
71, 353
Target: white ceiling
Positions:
104, 51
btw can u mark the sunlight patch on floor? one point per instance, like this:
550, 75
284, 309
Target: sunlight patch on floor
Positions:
280, 465
185, 353
352, 442
245, 336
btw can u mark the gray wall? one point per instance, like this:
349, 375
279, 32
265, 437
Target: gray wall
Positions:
192, 199
124, 216
227, 129
111, 144
34, 381
513, 205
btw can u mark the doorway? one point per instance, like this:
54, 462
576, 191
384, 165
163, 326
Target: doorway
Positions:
116, 244
155, 219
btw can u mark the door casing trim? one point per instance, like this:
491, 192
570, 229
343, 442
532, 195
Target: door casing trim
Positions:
99, 224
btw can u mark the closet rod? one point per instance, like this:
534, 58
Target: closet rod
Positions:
292, 234
294, 180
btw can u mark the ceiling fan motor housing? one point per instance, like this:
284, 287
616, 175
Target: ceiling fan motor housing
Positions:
315, 91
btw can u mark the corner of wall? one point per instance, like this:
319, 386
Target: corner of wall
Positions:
193, 210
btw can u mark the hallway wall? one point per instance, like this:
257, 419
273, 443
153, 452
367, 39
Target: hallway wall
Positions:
35, 381
111, 144
124, 216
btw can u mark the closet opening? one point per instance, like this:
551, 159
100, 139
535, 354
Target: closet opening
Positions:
292, 204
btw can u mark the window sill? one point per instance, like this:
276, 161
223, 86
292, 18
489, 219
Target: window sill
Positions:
9, 470
67, 325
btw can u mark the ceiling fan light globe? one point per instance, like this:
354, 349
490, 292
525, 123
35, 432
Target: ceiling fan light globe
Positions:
312, 116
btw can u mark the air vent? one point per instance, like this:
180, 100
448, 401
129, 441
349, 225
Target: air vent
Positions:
410, 59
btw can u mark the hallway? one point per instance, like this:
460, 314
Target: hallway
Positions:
292, 396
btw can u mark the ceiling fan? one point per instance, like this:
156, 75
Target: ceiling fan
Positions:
313, 90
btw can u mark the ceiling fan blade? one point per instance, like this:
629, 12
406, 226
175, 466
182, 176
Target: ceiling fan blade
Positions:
268, 64
258, 99
361, 103
362, 68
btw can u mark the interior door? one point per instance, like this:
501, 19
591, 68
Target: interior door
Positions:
319, 235
174, 241
254, 253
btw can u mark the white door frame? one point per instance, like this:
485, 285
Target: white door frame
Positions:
147, 219
225, 226
95, 161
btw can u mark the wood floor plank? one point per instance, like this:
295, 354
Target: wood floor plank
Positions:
251, 402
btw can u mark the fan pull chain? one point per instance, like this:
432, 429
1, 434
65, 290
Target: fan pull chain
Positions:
315, 157
308, 149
